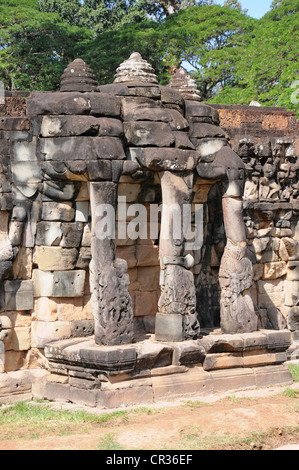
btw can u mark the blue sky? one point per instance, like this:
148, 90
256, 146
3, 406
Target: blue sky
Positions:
256, 8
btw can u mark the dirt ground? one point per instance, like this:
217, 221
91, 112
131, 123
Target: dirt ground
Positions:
262, 419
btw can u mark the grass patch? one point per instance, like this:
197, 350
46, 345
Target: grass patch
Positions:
290, 393
195, 405
25, 420
108, 442
294, 369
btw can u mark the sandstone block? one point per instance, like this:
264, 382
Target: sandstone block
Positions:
72, 233
275, 270
148, 278
59, 283
110, 127
50, 258
169, 327
20, 339
22, 266
158, 159
58, 103
195, 382
18, 295
256, 360
13, 124
67, 126
188, 352
99, 170
129, 397
53, 211
272, 375
146, 303
57, 392
84, 258
82, 148
291, 289
289, 249
152, 355
293, 271
145, 133
14, 360
197, 109
171, 96
223, 361
82, 396
104, 104
293, 318
129, 191
45, 310
182, 141
201, 130
147, 255
45, 332
235, 379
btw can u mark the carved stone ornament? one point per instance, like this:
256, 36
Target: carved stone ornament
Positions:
135, 69
78, 76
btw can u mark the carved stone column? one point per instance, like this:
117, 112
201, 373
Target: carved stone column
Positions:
176, 320
111, 301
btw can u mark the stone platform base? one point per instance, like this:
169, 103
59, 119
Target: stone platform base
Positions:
148, 371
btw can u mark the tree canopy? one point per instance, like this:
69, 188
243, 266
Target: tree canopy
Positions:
232, 57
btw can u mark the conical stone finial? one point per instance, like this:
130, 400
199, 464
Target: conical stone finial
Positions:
78, 76
136, 70
184, 84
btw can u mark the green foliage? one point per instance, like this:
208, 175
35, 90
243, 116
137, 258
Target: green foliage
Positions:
110, 49
294, 369
207, 38
96, 15
266, 66
233, 57
35, 47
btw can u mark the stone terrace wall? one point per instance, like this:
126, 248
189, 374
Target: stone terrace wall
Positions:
267, 139
260, 136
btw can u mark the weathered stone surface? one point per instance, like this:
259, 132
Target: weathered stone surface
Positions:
145, 303
275, 270
293, 318
78, 76
18, 295
22, 266
53, 211
110, 127
14, 124
82, 148
44, 332
135, 69
188, 352
52, 258
157, 159
48, 233
205, 130
112, 304
151, 355
144, 133
291, 290
293, 271
103, 104
182, 82
58, 103
20, 339
67, 126
142, 109
170, 96
169, 327
59, 283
